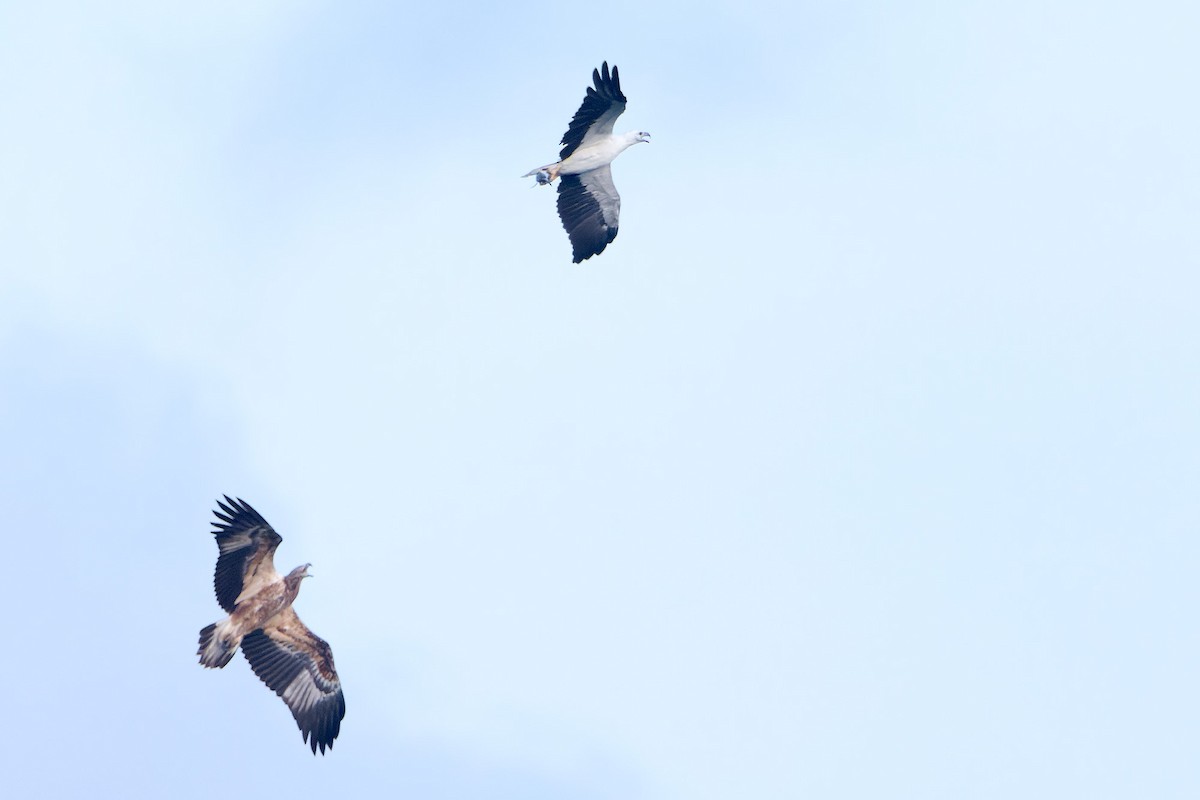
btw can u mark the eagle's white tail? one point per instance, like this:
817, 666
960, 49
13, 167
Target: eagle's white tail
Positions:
217, 644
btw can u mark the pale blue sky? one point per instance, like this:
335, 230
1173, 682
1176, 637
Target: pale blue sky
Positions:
863, 464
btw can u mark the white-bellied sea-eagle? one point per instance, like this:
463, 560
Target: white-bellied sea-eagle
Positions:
588, 203
288, 657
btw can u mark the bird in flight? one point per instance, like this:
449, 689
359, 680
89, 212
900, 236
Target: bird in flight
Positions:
588, 203
288, 657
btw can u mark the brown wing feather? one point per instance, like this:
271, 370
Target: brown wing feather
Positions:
298, 665
247, 545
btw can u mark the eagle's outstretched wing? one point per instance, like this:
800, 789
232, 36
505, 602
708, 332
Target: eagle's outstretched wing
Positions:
298, 665
600, 109
247, 550
590, 210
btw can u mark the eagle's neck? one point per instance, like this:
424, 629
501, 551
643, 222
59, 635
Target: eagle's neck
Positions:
291, 587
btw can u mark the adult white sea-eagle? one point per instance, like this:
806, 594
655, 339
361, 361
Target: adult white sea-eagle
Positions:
288, 657
588, 203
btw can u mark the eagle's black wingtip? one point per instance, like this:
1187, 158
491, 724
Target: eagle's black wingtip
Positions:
608, 82
236, 509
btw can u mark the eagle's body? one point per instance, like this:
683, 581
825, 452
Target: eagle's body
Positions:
599, 153
251, 613
288, 657
588, 203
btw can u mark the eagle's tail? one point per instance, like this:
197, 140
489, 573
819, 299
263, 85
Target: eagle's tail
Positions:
217, 644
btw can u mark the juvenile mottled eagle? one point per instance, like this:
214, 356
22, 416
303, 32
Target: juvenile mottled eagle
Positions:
286, 655
588, 203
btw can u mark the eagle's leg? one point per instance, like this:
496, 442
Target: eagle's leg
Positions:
543, 177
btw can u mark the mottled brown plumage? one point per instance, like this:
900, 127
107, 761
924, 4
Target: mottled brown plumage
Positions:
289, 658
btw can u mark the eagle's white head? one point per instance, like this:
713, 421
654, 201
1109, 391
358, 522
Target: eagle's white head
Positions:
643, 136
